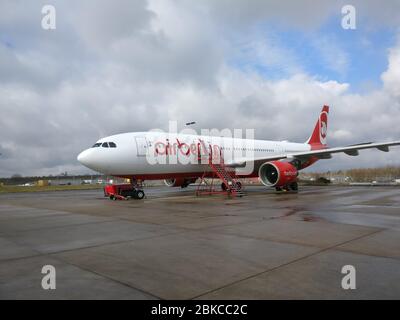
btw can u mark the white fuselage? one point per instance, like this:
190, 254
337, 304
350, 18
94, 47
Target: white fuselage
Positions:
154, 155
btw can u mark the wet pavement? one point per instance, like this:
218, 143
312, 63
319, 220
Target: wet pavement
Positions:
174, 245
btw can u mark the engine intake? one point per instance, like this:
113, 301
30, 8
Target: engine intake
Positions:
277, 173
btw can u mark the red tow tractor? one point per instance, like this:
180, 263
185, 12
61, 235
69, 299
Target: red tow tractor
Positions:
123, 192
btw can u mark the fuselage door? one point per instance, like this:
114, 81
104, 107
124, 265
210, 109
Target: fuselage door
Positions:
142, 146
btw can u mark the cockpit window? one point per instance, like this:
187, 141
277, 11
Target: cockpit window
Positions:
104, 145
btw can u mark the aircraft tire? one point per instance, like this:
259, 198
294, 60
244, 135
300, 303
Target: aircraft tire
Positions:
294, 186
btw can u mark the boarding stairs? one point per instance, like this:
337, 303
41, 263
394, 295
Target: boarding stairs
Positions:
232, 186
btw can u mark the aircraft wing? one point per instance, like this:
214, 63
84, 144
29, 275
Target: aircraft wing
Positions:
325, 153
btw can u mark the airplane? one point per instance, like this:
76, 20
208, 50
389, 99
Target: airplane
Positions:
141, 156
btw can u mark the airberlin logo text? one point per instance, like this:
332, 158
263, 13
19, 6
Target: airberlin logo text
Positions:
173, 151
290, 173
192, 148
185, 149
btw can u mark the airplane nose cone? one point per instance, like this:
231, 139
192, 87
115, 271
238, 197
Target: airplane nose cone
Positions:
83, 157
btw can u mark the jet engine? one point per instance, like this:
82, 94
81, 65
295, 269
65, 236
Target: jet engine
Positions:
277, 174
179, 182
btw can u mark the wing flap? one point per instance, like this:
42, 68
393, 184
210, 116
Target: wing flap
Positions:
352, 153
351, 150
383, 148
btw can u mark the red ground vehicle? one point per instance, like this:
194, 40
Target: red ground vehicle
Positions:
123, 192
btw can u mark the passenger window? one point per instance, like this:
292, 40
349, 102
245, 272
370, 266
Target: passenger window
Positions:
112, 145
105, 145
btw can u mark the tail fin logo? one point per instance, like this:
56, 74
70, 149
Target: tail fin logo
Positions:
319, 135
323, 126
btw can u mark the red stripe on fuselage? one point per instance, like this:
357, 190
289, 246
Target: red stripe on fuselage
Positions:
162, 176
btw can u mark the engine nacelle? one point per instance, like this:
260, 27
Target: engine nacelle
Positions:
179, 182
277, 173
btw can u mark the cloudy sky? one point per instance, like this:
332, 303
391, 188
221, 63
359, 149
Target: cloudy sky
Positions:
119, 66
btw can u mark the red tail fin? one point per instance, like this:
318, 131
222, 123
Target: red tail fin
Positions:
319, 136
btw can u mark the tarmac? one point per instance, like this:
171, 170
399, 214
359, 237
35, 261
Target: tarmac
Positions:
174, 245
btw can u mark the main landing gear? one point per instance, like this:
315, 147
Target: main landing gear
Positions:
238, 186
294, 186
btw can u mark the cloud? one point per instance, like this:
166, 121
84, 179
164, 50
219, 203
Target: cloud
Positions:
341, 134
263, 52
333, 57
121, 66
391, 77
304, 13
